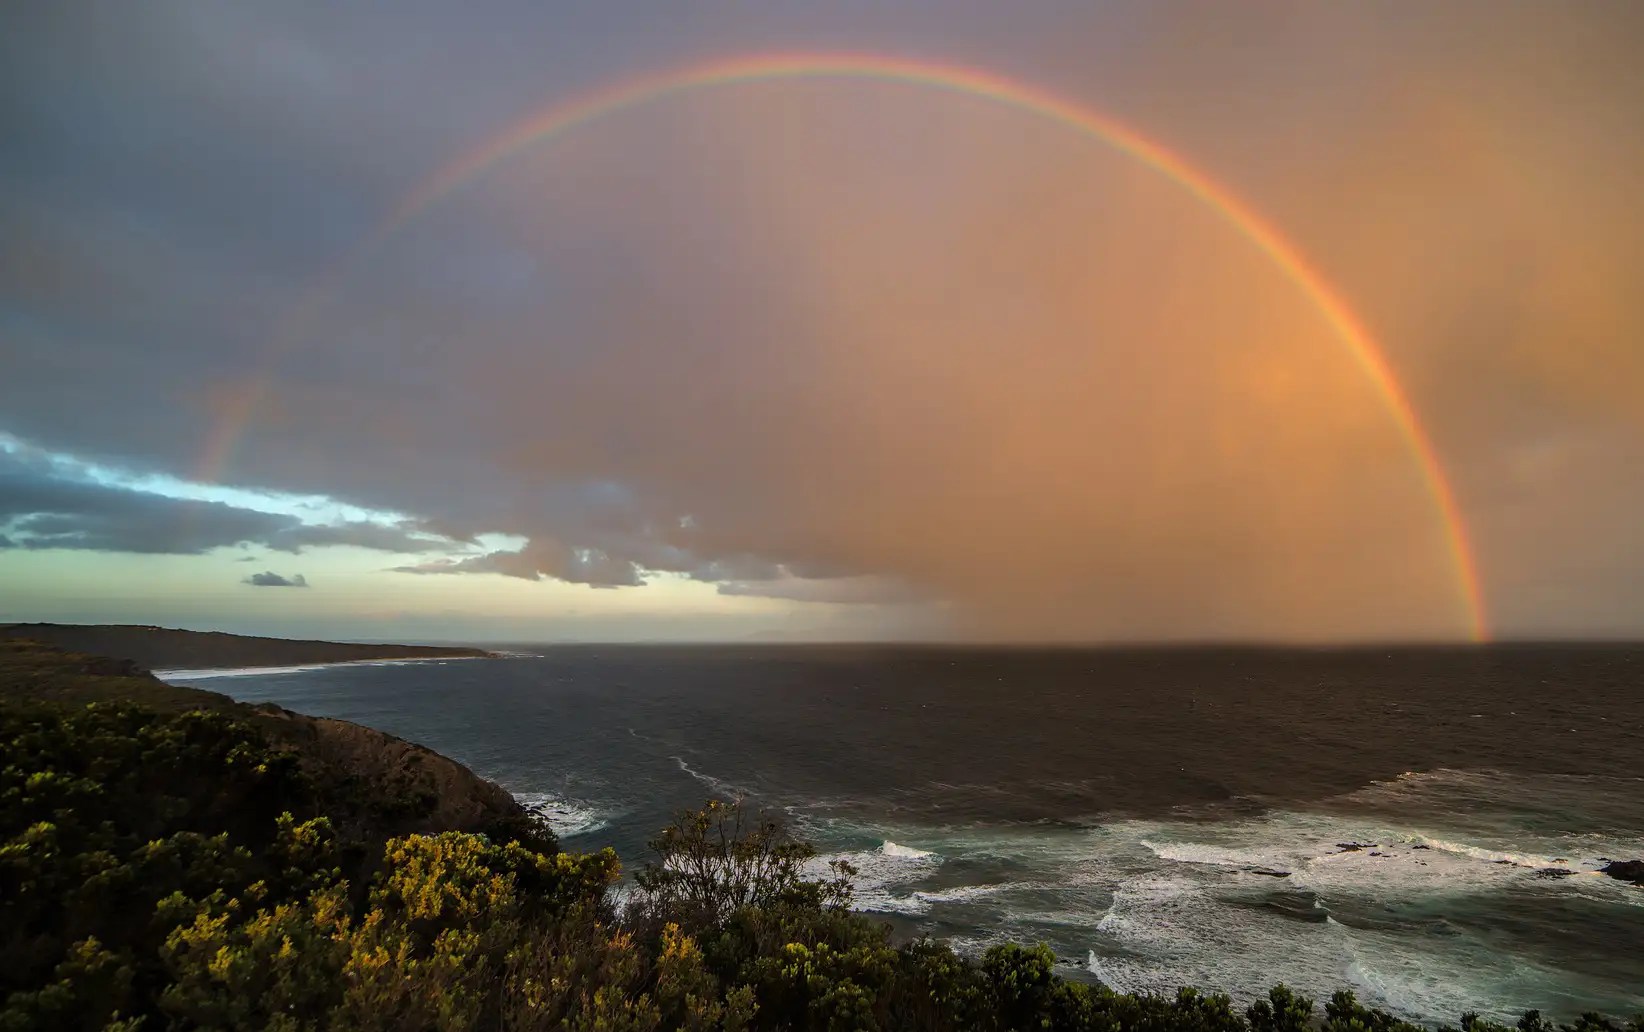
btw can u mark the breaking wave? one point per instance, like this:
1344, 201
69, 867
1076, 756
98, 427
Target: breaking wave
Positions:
299, 668
884, 876
890, 848
567, 817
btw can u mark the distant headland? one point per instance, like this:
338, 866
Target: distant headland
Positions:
164, 648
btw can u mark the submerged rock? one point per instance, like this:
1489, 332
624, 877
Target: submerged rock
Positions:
1554, 872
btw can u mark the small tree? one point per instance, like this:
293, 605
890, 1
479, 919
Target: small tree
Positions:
1282, 1011
712, 862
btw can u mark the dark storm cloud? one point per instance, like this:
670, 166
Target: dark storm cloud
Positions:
269, 579
44, 512
44, 506
854, 337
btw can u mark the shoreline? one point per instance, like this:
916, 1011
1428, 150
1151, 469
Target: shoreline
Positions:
174, 651
211, 673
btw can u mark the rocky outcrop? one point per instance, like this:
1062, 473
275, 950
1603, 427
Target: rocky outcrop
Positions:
1625, 870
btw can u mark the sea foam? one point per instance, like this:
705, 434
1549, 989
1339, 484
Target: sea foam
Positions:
890, 848
566, 817
884, 876
300, 668
721, 788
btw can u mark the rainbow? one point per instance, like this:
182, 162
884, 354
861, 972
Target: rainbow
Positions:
581, 110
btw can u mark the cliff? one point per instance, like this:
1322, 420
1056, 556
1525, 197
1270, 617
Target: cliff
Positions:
382, 784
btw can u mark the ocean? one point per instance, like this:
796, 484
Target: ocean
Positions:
1419, 825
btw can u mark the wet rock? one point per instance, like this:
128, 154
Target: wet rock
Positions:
1625, 870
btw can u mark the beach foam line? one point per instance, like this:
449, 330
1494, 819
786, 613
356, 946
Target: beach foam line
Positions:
298, 668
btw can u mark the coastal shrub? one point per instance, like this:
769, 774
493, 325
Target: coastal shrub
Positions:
106, 811
724, 858
1282, 1011
180, 871
1344, 1013
451, 929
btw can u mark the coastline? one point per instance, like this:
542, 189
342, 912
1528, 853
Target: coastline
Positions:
173, 650
208, 673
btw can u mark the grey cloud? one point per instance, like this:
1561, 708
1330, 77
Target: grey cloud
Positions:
360, 534
45, 512
738, 568
437, 566
447, 529
539, 559
44, 506
6, 542
602, 570
269, 579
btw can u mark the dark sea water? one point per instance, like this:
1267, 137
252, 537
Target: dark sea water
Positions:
1158, 817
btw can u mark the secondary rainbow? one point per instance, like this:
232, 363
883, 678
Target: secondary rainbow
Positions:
589, 107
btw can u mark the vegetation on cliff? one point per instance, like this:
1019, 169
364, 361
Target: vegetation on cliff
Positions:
188, 868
